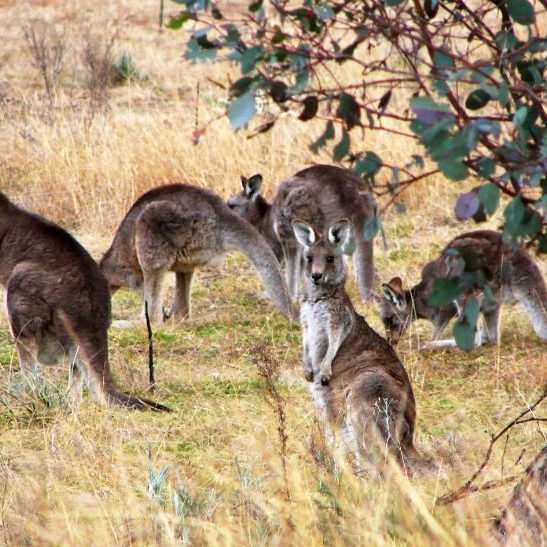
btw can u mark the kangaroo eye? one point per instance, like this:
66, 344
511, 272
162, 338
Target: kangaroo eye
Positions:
309, 258
330, 259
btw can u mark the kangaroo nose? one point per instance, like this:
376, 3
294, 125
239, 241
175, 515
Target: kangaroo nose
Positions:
316, 276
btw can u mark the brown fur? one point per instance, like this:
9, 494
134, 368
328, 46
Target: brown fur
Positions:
180, 228
512, 276
318, 195
57, 302
360, 388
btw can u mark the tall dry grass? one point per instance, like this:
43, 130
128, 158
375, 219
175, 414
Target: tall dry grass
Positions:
94, 476
83, 167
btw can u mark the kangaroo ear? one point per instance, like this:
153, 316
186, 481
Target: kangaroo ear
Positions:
304, 233
252, 185
243, 182
393, 291
339, 235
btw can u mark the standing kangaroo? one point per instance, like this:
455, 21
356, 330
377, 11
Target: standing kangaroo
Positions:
360, 388
58, 303
511, 276
318, 195
179, 228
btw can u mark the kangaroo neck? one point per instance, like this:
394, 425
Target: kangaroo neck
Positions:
319, 293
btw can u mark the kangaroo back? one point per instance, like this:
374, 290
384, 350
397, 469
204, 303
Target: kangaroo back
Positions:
57, 300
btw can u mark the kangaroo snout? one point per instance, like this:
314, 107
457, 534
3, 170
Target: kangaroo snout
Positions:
316, 276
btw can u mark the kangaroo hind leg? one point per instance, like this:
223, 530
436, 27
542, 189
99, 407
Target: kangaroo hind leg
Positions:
181, 302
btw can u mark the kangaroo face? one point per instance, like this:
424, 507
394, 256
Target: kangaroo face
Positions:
323, 260
394, 310
245, 203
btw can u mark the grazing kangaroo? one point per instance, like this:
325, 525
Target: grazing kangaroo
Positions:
179, 228
57, 303
360, 388
319, 195
511, 274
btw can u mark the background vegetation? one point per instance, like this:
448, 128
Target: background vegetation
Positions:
113, 111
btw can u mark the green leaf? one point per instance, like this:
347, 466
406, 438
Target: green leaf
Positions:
428, 112
278, 91
393, 3
477, 99
371, 228
324, 12
505, 40
249, 58
514, 215
444, 291
442, 60
342, 148
242, 110
486, 167
241, 86
489, 196
452, 147
327, 135
455, 170
521, 11
349, 110
503, 95
464, 334
369, 165
542, 247
195, 52
471, 311
176, 22
311, 105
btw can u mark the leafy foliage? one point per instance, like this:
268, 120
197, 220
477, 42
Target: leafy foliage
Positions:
476, 115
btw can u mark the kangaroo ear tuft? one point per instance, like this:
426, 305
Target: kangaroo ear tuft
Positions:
304, 233
339, 234
393, 291
252, 186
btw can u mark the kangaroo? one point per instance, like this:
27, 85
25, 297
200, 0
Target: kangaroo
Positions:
57, 303
318, 195
511, 276
360, 388
179, 228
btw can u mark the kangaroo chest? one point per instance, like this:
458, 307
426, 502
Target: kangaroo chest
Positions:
320, 318
314, 318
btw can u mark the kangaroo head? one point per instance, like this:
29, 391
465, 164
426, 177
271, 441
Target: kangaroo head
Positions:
249, 204
395, 310
323, 256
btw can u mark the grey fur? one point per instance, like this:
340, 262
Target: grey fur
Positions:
514, 278
360, 388
318, 195
58, 303
180, 228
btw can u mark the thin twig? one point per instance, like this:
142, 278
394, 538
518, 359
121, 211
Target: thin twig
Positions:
469, 487
151, 375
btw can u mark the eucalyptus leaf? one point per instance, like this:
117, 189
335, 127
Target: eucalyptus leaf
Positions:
242, 110
445, 290
521, 11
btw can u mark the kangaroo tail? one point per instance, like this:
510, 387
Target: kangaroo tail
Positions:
240, 235
93, 363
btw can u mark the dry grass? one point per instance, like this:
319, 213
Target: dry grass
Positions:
82, 476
